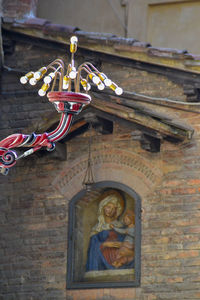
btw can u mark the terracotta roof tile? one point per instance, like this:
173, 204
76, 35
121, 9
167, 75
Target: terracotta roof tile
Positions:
170, 53
50, 28
34, 22
106, 43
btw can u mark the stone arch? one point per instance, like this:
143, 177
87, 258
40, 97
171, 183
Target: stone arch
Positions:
122, 166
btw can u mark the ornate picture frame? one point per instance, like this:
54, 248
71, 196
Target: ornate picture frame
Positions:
104, 237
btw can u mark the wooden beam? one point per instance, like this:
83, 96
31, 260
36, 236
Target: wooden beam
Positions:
123, 122
150, 143
132, 115
77, 125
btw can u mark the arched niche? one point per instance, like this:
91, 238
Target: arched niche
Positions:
83, 216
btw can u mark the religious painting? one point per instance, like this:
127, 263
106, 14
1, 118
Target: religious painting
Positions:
104, 237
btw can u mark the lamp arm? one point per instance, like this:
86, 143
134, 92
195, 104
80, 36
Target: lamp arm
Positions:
66, 103
9, 157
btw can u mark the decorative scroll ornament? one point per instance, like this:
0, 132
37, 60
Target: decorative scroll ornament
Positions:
65, 82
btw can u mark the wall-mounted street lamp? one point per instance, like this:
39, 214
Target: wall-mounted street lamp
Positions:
65, 83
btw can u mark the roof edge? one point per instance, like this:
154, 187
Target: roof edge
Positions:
106, 43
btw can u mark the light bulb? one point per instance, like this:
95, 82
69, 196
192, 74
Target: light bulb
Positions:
65, 82
43, 89
101, 86
87, 87
84, 82
102, 76
33, 81
41, 93
74, 39
105, 79
52, 74
96, 80
118, 91
48, 78
39, 74
72, 73
65, 86
107, 82
23, 79
65, 79
116, 88
73, 44
91, 75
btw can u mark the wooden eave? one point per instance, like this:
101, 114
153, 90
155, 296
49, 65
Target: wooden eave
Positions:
159, 123
106, 43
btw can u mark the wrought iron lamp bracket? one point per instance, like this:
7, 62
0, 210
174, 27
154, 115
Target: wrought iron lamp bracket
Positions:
67, 102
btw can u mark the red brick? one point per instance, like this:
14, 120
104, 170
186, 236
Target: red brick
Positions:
193, 182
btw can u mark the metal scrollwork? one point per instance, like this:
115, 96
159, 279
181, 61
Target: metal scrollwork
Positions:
67, 102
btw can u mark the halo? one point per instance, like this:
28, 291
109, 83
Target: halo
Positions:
115, 193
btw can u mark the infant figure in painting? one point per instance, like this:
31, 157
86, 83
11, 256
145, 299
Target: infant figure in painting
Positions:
126, 250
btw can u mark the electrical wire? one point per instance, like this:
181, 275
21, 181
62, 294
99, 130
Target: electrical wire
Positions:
163, 99
117, 15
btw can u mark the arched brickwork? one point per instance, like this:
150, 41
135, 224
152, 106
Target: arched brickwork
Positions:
112, 164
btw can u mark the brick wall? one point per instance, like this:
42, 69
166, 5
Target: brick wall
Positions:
34, 198
19, 9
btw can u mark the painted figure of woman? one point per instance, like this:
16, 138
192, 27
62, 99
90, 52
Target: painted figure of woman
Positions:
104, 240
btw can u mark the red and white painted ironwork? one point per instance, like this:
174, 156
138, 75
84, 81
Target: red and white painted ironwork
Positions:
68, 103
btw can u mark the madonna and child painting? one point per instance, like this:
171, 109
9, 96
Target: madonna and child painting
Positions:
112, 238
105, 232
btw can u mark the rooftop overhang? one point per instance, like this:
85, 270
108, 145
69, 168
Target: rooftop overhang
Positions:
127, 112
129, 108
106, 43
